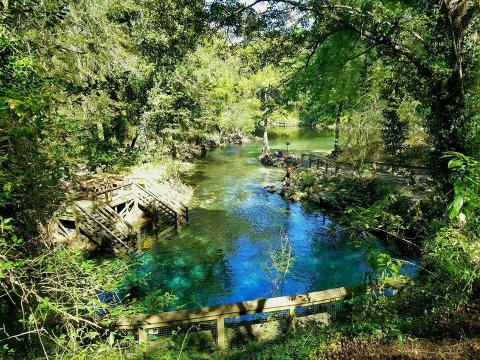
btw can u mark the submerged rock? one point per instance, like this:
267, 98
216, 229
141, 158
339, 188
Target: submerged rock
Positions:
270, 188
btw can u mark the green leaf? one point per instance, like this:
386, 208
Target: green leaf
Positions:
454, 163
458, 203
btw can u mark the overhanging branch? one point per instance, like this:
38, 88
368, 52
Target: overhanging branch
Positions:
313, 50
332, 12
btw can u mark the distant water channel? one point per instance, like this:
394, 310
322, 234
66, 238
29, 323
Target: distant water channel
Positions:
221, 256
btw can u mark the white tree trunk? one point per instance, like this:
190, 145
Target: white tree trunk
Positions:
266, 147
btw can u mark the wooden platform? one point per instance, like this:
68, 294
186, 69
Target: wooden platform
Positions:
102, 213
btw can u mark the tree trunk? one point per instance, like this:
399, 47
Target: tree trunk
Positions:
134, 140
266, 147
336, 147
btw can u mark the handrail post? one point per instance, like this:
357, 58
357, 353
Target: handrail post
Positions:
221, 333
142, 335
291, 318
186, 213
135, 198
77, 224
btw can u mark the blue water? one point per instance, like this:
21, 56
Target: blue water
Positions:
222, 255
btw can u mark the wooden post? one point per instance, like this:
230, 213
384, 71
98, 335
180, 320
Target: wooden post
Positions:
139, 241
326, 166
142, 335
318, 163
77, 223
221, 333
336, 167
135, 192
186, 213
310, 161
291, 319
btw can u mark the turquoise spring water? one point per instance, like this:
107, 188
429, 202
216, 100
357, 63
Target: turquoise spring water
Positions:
222, 255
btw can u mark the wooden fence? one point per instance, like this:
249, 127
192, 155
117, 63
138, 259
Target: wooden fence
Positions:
331, 165
142, 323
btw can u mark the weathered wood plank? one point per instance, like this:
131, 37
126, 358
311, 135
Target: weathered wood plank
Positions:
235, 309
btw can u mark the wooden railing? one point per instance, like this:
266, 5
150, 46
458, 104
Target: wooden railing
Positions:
113, 189
142, 323
326, 163
99, 224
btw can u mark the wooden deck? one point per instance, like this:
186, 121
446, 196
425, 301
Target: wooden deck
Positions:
101, 214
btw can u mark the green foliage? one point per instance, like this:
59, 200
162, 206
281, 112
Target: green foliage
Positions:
333, 83
155, 302
209, 95
466, 202
394, 131
307, 180
97, 83
360, 137
351, 49
73, 82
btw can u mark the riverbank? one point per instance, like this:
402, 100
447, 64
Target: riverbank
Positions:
162, 176
401, 212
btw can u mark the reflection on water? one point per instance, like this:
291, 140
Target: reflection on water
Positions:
219, 257
304, 139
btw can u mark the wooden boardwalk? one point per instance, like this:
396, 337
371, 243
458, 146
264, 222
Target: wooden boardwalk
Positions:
333, 166
103, 215
222, 315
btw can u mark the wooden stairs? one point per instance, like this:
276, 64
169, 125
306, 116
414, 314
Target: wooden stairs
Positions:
100, 223
103, 218
151, 202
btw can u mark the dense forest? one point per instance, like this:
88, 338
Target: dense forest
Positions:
109, 84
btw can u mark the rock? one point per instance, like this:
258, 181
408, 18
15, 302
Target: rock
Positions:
265, 331
322, 319
266, 159
271, 188
83, 244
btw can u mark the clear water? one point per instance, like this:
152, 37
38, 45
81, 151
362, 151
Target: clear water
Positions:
221, 255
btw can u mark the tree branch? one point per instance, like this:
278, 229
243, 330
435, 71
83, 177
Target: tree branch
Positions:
366, 51
313, 50
385, 41
330, 11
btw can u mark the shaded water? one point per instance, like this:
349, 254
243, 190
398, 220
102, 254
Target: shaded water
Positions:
221, 256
